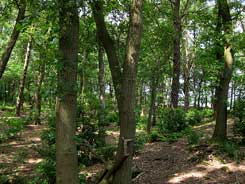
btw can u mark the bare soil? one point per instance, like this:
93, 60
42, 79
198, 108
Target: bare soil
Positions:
178, 163
18, 157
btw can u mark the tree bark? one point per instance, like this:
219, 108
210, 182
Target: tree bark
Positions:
220, 131
13, 38
153, 92
127, 111
176, 55
38, 96
199, 93
152, 108
124, 84
187, 69
20, 98
101, 80
110, 48
66, 152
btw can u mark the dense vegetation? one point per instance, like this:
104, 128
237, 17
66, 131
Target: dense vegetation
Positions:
151, 71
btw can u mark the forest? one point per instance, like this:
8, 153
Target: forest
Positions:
122, 92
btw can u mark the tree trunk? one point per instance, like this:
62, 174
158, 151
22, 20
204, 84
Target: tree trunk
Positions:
66, 152
199, 93
124, 85
127, 110
176, 56
101, 76
232, 94
20, 98
38, 96
13, 38
220, 131
110, 48
187, 68
153, 89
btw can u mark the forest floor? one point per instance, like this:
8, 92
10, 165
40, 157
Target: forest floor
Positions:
18, 156
156, 163
180, 163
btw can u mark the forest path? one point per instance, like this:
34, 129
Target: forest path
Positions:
18, 156
164, 163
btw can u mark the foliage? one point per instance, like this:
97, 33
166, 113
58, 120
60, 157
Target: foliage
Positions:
140, 141
239, 109
194, 116
141, 122
155, 136
10, 127
239, 129
230, 148
172, 120
112, 117
193, 137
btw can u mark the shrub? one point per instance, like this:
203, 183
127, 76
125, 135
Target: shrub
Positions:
112, 117
140, 140
239, 109
194, 116
141, 122
239, 129
11, 127
230, 148
192, 136
154, 136
207, 113
172, 120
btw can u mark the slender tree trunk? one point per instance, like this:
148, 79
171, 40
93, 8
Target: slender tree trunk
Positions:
176, 56
199, 93
20, 98
110, 48
220, 131
66, 152
232, 94
13, 38
38, 96
154, 84
187, 68
101, 76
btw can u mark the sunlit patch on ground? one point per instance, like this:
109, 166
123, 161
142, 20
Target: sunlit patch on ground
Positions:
210, 171
18, 155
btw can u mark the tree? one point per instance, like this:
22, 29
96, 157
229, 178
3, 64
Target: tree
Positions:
176, 54
124, 85
37, 95
224, 18
14, 36
101, 80
66, 153
20, 98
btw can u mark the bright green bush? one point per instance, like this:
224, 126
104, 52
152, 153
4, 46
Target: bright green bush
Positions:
172, 120
207, 113
141, 122
154, 136
193, 137
194, 116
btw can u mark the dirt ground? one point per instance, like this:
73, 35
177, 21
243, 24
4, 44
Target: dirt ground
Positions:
18, 156
156, 163
162, 163
176, 163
